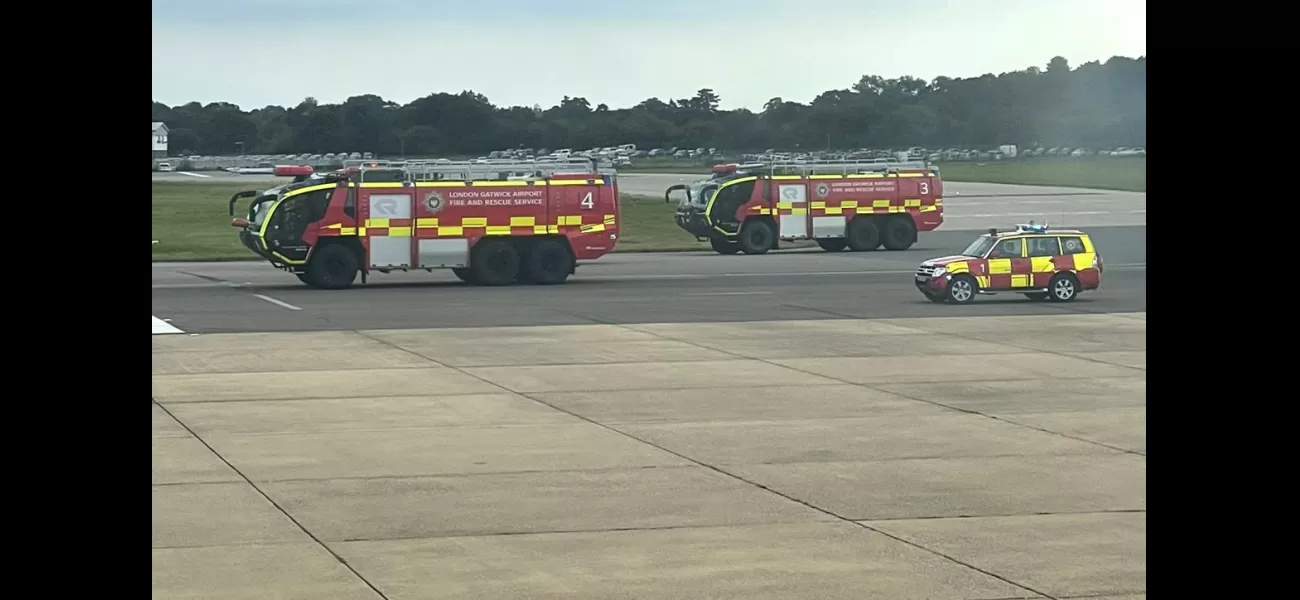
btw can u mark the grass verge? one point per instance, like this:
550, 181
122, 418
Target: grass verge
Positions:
1102, 173
191, 223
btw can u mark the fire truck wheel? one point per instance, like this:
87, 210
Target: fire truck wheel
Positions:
899, 233
494, 262
1063, 288
549, 263
464, 275
724, 246
756, 237
863, 234
332, 267
962, 289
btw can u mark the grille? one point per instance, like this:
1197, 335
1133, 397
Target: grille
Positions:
925, 271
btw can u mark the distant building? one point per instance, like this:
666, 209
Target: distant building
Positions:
159, 139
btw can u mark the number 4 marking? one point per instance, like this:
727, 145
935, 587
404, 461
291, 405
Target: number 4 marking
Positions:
587, 202
925, 188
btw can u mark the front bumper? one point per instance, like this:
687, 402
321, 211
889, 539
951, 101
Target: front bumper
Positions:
692, 220
930, 281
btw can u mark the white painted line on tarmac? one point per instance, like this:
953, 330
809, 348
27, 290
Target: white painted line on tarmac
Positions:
194, 174
161, 327
277, 302
728, 294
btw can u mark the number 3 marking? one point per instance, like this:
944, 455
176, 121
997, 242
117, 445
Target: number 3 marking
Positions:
587, 202
925, 188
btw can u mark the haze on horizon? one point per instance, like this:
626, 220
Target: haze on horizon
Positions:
524, 52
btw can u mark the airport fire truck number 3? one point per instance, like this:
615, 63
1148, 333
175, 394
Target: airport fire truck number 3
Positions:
587, 202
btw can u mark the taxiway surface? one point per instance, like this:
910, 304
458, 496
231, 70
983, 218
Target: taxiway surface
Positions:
975, 458
622, 288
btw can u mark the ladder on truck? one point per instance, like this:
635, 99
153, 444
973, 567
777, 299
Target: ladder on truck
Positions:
472, 170
836, 167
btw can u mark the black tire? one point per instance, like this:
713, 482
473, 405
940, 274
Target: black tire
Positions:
494, 262
833, 244
962, 289
756, 237
863, 235
722, 246
1064, 287
464, 274
899, 233
332, 267
548, 263
1036, 296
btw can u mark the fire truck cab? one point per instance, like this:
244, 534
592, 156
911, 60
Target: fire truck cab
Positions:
478, 218
860, 205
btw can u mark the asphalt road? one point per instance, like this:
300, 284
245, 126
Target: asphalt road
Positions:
631, 288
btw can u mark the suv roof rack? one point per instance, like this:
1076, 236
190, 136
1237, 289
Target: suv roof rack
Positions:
472, 170
843, 167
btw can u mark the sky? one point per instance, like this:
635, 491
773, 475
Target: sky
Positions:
617, 52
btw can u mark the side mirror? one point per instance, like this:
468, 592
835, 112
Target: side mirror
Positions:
670, 190
235, 198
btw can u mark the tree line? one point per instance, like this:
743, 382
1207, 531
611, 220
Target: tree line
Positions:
1094, 105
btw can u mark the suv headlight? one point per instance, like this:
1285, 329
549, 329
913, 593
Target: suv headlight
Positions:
939, 271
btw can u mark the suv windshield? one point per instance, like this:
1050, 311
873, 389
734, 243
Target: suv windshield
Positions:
979, 247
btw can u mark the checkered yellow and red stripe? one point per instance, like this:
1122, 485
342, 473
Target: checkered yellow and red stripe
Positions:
1011, 273
434, 227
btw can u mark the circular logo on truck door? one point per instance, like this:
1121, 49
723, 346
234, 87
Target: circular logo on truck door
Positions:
433, 202
823, 190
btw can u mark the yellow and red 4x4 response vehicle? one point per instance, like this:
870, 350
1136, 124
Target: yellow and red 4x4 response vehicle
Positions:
1040, 263
491, 222
860, 205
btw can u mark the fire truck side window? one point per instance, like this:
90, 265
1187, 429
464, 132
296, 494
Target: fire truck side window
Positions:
350, 204
731, 197
297, 212
312, 205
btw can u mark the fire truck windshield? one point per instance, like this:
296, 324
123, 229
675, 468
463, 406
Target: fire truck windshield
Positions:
258, 209
980, 246
700, 191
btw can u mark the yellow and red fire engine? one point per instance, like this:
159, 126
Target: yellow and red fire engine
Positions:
860, 205
490, 222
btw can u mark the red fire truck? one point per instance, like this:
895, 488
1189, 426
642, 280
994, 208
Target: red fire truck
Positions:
490, 222
860, 205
